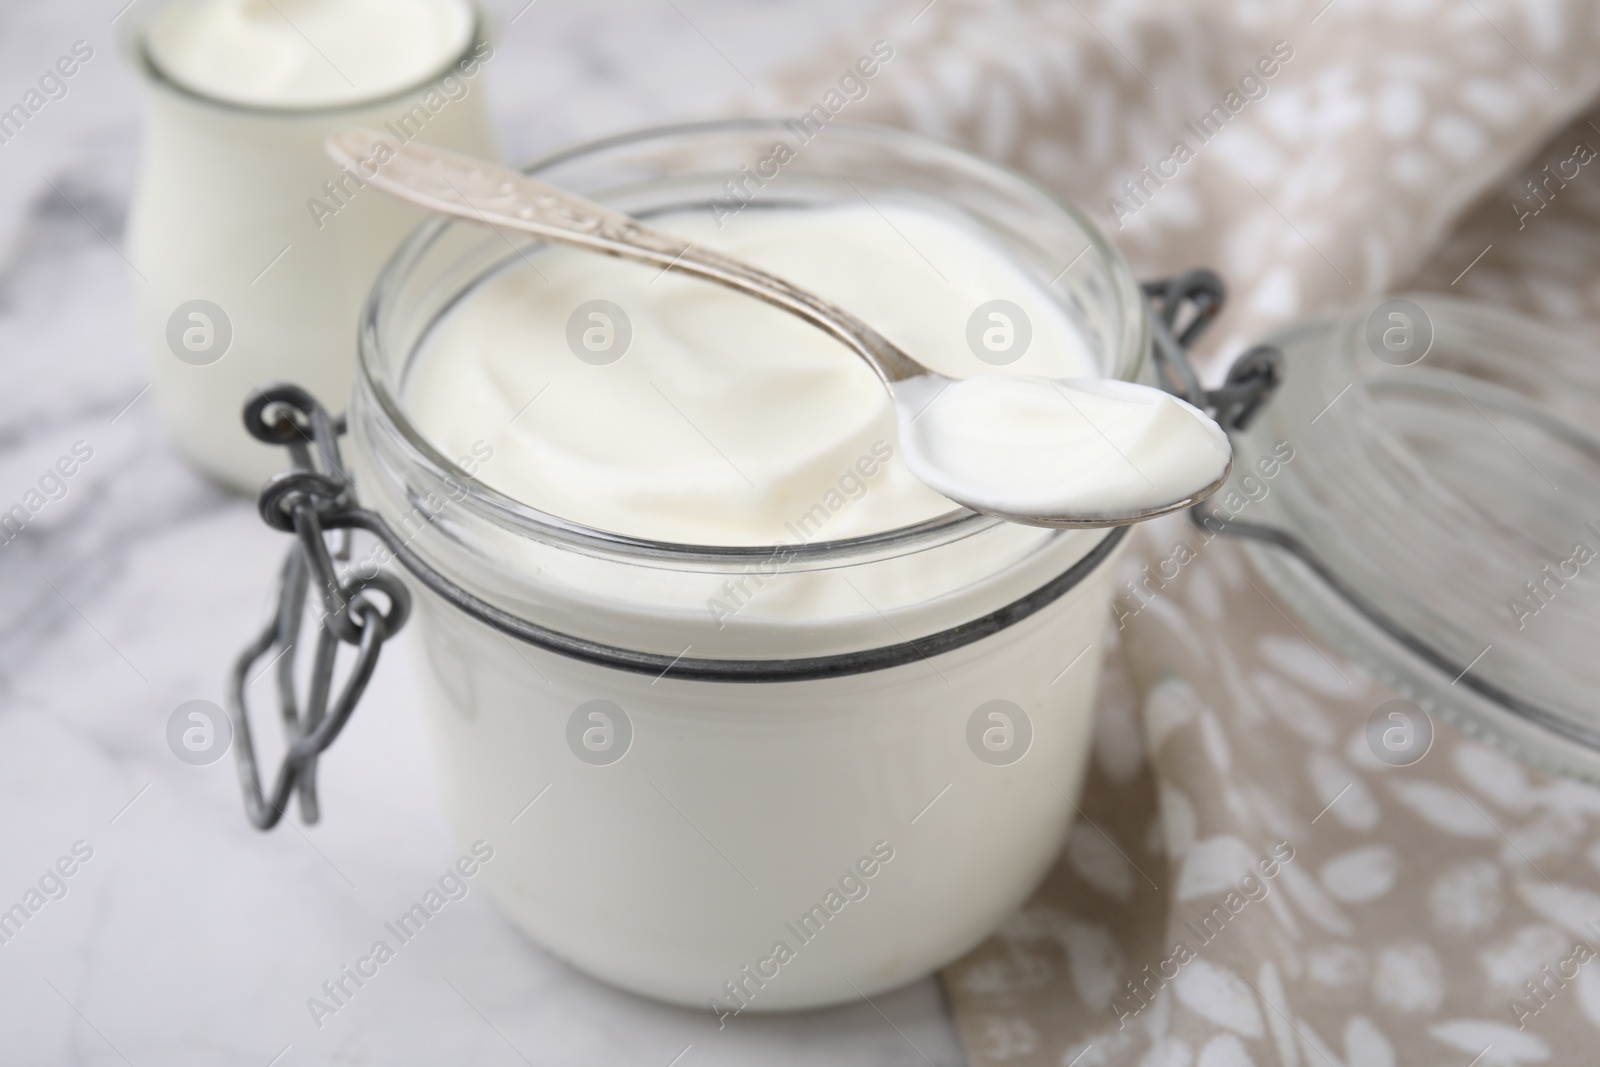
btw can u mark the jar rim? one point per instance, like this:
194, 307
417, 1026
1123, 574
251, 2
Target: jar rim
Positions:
135, 47
959, 523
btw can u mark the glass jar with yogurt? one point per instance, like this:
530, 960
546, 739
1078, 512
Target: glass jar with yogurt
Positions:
253, 251
749, 716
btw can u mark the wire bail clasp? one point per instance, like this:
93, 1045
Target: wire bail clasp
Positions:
1251, 379
311, 499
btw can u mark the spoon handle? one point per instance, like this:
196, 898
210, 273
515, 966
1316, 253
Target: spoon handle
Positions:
500, 197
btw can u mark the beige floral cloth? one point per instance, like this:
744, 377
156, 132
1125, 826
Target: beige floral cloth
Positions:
1250, 884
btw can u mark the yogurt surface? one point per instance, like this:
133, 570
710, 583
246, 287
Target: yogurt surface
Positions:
306, 53
707, 417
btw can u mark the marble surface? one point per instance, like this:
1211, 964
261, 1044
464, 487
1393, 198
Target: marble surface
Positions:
187, 937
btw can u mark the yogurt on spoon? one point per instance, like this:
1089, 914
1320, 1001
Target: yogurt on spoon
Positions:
1061, 451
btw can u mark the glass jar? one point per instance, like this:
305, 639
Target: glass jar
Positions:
1441, 514
254, 251
837, 788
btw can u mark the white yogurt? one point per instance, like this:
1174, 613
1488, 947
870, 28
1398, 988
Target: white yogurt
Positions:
253, 251
735, 810
307, 53
1049, 448
708, 821
725, 421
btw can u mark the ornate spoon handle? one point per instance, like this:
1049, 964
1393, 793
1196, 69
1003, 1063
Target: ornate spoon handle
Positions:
497, 196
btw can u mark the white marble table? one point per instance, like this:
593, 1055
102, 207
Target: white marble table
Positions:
187, 937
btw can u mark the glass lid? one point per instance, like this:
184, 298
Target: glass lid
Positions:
1443, 497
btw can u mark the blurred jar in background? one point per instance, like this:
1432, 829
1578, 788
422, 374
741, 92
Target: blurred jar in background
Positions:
256, 250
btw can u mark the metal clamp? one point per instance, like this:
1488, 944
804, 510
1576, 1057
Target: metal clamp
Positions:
1196, 297
299, 500
314, 499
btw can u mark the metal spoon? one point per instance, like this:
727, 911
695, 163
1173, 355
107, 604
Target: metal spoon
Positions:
493, 195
